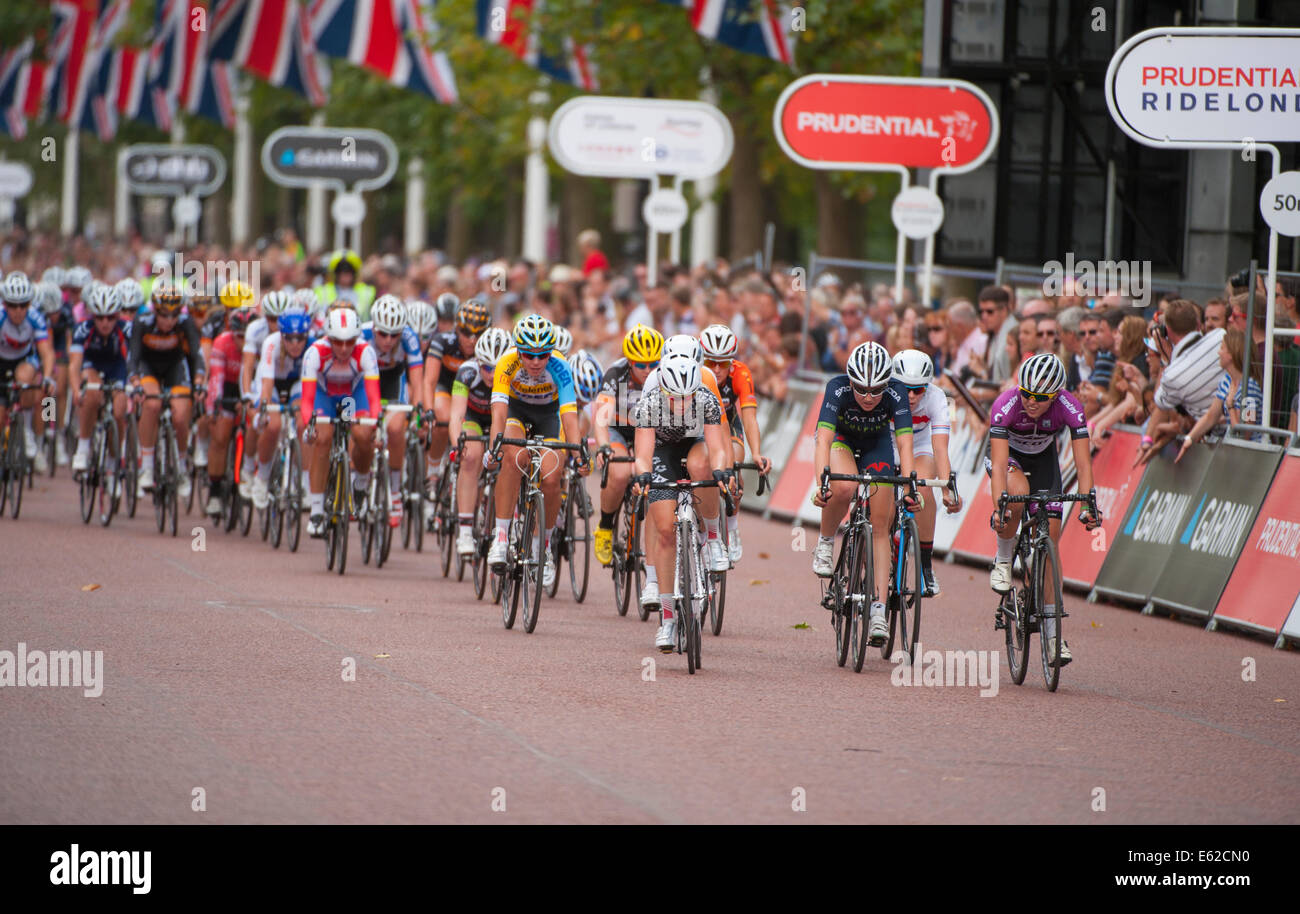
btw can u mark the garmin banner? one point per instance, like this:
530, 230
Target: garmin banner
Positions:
1212, 535
1165, 500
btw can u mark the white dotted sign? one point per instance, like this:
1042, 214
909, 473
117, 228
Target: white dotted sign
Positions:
665, 210
348, 210
917, 212
1280, 203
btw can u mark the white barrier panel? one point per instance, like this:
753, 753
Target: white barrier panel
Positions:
966, 455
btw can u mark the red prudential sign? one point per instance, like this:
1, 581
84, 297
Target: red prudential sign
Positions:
874, 123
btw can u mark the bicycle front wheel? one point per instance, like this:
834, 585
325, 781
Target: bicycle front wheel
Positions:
293, 486
859, 592
534, 541
446, 520
905, 601
577, 534
162, 471
684, 604
89, 480
131, 464
384, 515
1048, 560
17, 463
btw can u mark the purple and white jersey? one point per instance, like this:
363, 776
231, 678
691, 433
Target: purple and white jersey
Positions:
1007, 419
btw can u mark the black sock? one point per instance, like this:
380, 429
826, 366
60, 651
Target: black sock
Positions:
927, 555
607, 520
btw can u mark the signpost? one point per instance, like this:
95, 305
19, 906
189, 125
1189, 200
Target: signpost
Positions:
347, 159
883, 123
15, 182
645, 138
185, 172
1216, 88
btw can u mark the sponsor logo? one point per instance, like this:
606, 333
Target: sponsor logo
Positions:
1216, 527
1156, 518
1279, 537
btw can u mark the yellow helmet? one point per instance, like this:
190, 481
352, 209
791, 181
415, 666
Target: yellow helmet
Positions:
643, 344
235, 294
344, 255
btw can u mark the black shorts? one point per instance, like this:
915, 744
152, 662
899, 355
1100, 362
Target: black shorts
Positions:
392, 386
874, 455
1042, 471
7, 367
110, 372
173, 375
669, 465
536, 420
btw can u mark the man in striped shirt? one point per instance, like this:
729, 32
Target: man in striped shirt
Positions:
1191, 374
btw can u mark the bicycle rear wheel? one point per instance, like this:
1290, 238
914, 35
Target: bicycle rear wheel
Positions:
683, 607
905, 603
859, 597
718, 587
293, 507
557, 548
131, 465
620, 546
16, 460
445, 523
89, 480
383, 515
534, 541
366, 525
1049, 560
577, 527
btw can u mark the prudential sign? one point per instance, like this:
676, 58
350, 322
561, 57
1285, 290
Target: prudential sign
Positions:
1203, 85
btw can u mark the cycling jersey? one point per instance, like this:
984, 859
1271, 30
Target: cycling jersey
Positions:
737, 389
275, 362
59, 328
469, 383
405, 353
929, 417
18, 341
326, 381
223, 381
161, 352
618, 397
256, 335
841, 413
1008, 420
444, 347
214, 325
107, 354
553, 385
673, 426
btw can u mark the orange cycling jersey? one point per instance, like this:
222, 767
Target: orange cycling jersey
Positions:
737, 389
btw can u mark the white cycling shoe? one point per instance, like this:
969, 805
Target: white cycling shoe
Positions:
733, 545
666, 637
183, 485
824, 559
81, 461
1000, 577
316, 526
260, 495
548, 571
878, 633
496, 556
1066, 656
718, 560
465, 542
650, 594
144, 485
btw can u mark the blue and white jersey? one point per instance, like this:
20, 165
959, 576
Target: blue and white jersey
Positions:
406, 352
18, 341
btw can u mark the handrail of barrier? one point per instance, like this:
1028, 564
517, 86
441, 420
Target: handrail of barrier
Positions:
1285, 437
966, 395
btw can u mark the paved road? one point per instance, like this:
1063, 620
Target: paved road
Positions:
223, 671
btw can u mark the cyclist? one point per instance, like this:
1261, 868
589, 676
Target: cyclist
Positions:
563, 342
339, 374
930, 430
48, 298
423, 319
471, 412
274, 304
448, 350
587, 378
75, 280
26, 355
344, 284
1023, 425
279, 380
164, 350
224, 397
447, 306
853, 436
209, 315
736, 384
397, 352
619, 393
532, 394
678, 435
98, 355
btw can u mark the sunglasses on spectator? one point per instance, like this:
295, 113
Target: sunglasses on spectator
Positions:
1037, 398
1093, 332
869, 391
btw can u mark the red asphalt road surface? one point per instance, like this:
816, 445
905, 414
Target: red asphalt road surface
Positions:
223, 671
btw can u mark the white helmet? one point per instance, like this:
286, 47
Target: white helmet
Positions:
388, 314
491, 346
869, 365
129, 293
718, 342
563, 341
683, 344
343, 324
422, 317
307, 300
102, 301
1042, 374
17, 288
76, 277
679, 375
913, 367
275, 303
53, 274
49, 297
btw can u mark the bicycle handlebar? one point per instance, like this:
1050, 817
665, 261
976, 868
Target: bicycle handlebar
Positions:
763, 484
683, 485
910, 481
612, 458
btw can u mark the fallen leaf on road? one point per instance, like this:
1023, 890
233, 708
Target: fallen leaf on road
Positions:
764, 555
1283, 700
757, 582
948, 777
801, 625
382, 656
1096, 625
91, 587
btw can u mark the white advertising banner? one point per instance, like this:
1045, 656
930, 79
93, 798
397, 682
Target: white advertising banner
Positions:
966, 455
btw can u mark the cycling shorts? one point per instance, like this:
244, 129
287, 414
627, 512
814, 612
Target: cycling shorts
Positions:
1042, 470
532, 419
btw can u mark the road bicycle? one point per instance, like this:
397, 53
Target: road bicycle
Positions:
14, 465
415, 486
339, 506
484, 523
284, 490
200, 486
628, 561
166, 462
572, 540
131, 455
374, 522
100, 484
719, 605
449, 511
1020, 612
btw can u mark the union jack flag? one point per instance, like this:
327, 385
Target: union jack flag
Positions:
15, 69
509, 23
755, 26
271, 39
387, 37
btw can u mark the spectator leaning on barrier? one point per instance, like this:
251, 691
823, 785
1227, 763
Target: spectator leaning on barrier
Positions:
995, 320
1191, 374
1229, 401
1286, 355
963, 323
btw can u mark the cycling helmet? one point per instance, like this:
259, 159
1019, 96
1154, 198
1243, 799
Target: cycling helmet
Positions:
129, 293
718, 342
643, 344
913, 367
235, 294
275, 303
447, 305
343, 257
307, 300
1042, 374
587, 375
343, 325
17, 288
294, 322
103, 301
683, 344
491, 346
473, 316
421, 317
535, 335
237, 321
166, 298
388, 314
49, 297
563, 341
869, 365
53, 274
679, 375
76, 277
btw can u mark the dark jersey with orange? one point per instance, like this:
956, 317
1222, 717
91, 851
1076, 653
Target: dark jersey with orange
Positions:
737, 389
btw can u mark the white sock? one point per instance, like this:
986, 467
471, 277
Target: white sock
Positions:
1049, 622
182, 466
395, 480
652, 576
146, 459
361, 482
264, 472
306, 482
503, 528
733, 522
83, 446
711, 527
317, 500
1006, 549
27, 424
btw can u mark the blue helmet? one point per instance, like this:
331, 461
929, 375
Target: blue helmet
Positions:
294, 322
587, 375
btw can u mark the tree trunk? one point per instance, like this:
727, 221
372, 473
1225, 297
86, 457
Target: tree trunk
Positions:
513, 241
839, 220
745, 206
458, 229
578, 213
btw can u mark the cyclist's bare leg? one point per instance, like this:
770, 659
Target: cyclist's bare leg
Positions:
699, 468
925, 469
507, 491
90, 404
182, 408
660, 540
150, 410
471, 466
223, 427
880, 506
267, 441
552, 476
396, 442
841, 492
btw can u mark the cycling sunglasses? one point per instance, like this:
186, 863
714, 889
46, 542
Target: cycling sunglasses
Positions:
534, 356
917, 390
869, 391
386, 335
1037, 398
294, 337
645, 366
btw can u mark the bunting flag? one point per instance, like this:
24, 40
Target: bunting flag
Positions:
74, 31
15, 67
91, 109
754, 26
389, 37
509, 23
272, 40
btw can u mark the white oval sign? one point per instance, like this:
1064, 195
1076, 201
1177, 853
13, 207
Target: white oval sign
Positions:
665, 210
186, 210
1218, 85
917, 212
1280, 203
15, 179
608, 137
348, 209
